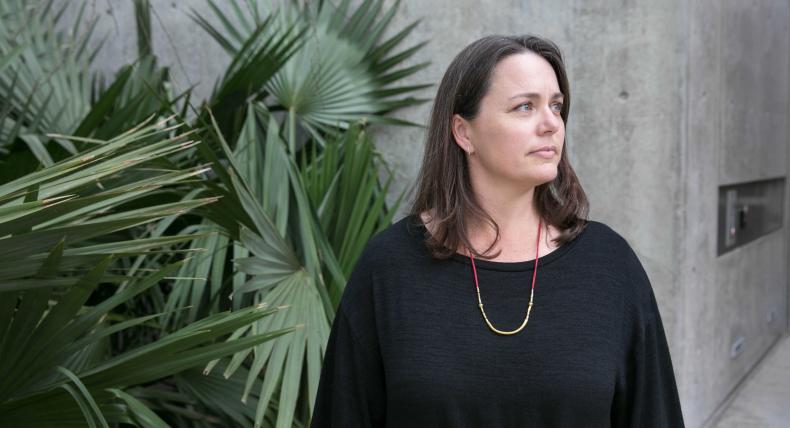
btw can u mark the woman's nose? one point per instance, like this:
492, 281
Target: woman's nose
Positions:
550, 122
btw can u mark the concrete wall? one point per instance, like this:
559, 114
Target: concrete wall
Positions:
192, 56
737, 113
671, 99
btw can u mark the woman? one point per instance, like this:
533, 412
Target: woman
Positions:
496, 303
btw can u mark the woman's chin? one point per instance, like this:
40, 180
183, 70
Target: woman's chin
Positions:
544, 175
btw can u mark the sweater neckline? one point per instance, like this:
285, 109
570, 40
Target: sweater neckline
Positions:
507, 266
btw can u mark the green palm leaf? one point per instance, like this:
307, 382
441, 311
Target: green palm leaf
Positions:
188, 347
341, 74
53, 241
46, 84
343, 185
284, 264
69, 200
262, 55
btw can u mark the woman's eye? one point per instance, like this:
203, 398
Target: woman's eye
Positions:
524, 107
556, 107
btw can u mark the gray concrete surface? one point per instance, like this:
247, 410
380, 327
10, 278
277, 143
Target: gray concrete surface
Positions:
671, 99
737, 79
191, 54
761, 400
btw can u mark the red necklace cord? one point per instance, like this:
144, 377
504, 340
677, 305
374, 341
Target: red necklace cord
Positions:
532, 292
534, 270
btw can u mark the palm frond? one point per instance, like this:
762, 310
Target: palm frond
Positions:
262, 55
26, 397
46, 83
342, 73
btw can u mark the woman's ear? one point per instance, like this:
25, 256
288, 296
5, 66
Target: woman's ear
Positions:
462, 134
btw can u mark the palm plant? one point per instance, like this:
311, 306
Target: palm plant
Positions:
312, 175
292, 196
53, 347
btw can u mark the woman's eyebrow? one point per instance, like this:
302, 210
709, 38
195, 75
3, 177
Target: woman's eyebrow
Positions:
535, 95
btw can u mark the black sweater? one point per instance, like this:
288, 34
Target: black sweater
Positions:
409, 347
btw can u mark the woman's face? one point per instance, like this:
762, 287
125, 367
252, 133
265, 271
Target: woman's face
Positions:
517, 117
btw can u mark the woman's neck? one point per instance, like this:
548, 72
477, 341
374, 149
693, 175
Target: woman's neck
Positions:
517, 218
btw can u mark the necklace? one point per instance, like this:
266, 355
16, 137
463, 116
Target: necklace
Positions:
531, 293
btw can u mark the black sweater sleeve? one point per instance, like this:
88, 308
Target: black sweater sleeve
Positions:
645, 392
351, 391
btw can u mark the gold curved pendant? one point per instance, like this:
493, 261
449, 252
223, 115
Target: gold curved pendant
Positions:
502, 332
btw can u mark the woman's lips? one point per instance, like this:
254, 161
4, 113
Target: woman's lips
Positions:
544, 153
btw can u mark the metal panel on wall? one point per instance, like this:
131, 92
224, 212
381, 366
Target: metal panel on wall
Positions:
748, 211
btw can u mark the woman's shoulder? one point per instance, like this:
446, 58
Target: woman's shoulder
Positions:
620, 258
604, 246
387, 253
400, 233
600, 235
400, 240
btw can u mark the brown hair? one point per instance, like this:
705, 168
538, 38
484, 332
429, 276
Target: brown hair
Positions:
443, 187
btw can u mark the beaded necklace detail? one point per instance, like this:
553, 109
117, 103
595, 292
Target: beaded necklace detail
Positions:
531, 294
